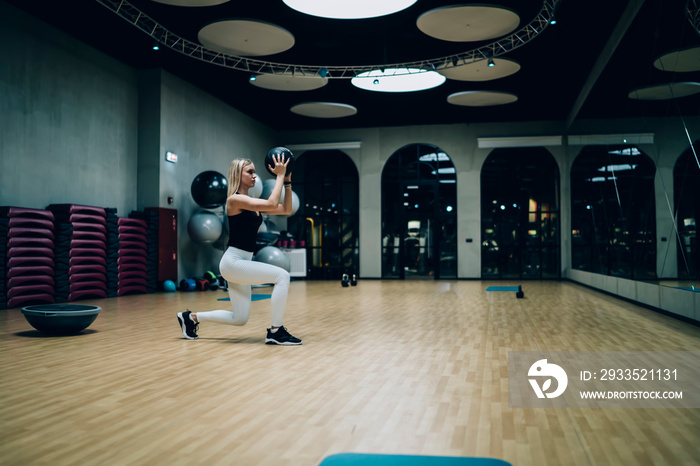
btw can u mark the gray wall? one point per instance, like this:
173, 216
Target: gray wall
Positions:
68, 120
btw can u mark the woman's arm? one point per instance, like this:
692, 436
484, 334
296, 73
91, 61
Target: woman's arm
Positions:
238, 202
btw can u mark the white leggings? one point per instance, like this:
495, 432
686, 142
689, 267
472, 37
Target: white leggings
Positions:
240, 271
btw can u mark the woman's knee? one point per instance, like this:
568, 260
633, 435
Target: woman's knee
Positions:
283, 278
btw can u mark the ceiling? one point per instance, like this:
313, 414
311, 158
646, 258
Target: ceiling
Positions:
580, 68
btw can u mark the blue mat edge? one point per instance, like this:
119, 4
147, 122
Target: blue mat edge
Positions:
253, 297
502, 288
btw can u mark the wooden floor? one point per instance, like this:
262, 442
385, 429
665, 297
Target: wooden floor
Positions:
415, 367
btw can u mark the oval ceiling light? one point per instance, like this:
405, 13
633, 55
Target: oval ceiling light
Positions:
349, 9
398, 80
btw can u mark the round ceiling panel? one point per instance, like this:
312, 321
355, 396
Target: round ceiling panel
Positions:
287, 82
468, 23
481, 71
324, 109
665, 91
481, 98
247, 38
680, 60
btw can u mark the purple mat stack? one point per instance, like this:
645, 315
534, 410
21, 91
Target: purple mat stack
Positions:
132, 262
27, 257
81, 258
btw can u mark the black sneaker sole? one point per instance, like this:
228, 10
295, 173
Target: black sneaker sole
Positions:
272, 341
181, 321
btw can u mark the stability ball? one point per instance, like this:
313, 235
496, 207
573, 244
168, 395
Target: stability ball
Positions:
269, 185
169, 285
209, 189
256, 190
273, 256
60, 319
204, 227
279, 151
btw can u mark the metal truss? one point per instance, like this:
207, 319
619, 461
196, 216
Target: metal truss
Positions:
692, 10
259, 67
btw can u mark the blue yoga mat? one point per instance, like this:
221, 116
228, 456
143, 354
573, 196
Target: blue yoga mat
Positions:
502, 288
362, 459
254, 297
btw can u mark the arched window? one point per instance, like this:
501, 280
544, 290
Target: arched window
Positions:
327, 182
419, 214
520, 215
613, 218
686, 196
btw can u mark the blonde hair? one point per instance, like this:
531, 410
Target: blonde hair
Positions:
234, 174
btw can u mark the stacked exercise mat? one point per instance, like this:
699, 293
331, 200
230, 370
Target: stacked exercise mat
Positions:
27, 255
133, 256
70, 252
151, 217
81, 252
113, 245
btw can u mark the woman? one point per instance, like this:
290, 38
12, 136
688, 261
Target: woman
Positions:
237, 266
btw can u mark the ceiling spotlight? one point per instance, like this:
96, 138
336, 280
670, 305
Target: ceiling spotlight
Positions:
156, 46
552, 21
375, 82
323, 72
491, 63
253, 77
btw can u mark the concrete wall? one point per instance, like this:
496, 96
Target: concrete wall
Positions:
68, 120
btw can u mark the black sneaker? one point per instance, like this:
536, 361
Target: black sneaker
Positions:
281, 337
189, 328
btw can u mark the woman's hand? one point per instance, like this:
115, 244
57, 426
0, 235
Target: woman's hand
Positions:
280, 167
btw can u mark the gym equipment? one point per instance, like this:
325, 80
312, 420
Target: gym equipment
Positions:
204, 227
60, 319
283, 151
209, 189
519, 294
353, 280
273, 256
345, 281
187, 284
269, 185
169, 285
256, 190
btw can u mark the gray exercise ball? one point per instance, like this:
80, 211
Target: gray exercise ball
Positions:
273, 256
204, 227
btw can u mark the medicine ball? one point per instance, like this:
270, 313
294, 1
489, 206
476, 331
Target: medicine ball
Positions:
279, 151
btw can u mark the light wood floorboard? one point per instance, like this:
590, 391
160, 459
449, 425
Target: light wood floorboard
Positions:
414, 367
